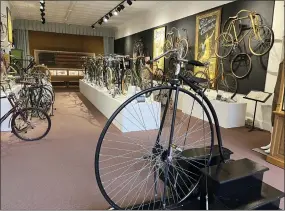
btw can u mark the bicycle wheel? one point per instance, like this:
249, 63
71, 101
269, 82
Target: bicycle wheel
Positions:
228, 83
109, 78
28, 124
241, 65
224, 45
261, 42
183, 48
132, 166
228, 27
146, 79
127, 80
3, 32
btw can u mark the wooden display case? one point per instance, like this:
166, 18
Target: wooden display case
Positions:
276, 156
64, 66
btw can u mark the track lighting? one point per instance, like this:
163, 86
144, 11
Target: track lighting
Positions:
42, 9
42, 1
115, 12
105, 19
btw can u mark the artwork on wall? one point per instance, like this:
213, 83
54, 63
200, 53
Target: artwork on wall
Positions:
158, 43
9, 26
207, 30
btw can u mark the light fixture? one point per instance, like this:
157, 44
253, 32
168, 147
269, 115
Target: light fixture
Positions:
93, 27
122, 7
119, 9
110, 14
43, 20
43, 14
129, 2
105, 19
42, 10
100, 21
115, 12
42, 1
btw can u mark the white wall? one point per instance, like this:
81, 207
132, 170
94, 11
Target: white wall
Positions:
5, 4
164, 12
173, 10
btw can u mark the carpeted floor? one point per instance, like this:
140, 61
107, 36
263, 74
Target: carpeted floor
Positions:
58, 171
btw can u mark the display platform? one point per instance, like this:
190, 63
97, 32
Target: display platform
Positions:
6, 106
230, 114
107, 105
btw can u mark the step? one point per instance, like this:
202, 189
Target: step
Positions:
194, 164
230, 177
269, 199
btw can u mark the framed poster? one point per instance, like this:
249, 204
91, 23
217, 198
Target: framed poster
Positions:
207, 30
9, 26
158, 43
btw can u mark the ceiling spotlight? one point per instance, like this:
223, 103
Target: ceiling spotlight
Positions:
42, 10
43, 14
100, 21
42, 1
129, 2
105, 19
115, 12
119, 9
122, 7
110, 14
43, 20
93, 27
42, 7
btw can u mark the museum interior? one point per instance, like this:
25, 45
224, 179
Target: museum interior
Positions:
172, 105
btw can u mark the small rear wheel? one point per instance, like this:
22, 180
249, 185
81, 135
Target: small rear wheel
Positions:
31, 124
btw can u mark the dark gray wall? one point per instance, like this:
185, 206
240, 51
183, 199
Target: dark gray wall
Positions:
257, 77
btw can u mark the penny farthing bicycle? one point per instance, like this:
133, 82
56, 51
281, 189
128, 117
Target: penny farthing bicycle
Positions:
149, 156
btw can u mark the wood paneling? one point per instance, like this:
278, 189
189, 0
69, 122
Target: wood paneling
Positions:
65, 42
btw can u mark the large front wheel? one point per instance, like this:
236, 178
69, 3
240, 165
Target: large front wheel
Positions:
137, 166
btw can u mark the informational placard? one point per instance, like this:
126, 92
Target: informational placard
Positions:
158, 43
207, 30
61, 72
73, 73
258, 96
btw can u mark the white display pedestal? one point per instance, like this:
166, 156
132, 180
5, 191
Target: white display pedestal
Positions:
5, 107
230, 115
126, 121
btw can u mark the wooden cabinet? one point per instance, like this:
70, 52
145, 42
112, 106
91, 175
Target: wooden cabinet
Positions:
276, 156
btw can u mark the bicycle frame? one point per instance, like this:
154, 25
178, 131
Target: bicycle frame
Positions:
11, 111
253, 27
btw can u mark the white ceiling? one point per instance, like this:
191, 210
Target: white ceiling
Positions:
82, 12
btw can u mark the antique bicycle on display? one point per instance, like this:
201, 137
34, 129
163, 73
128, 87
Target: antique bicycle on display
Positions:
260, 40
27, 123
152, 158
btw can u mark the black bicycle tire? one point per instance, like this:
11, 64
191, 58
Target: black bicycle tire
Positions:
249, 69
113, 116
30, 108
271, 44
